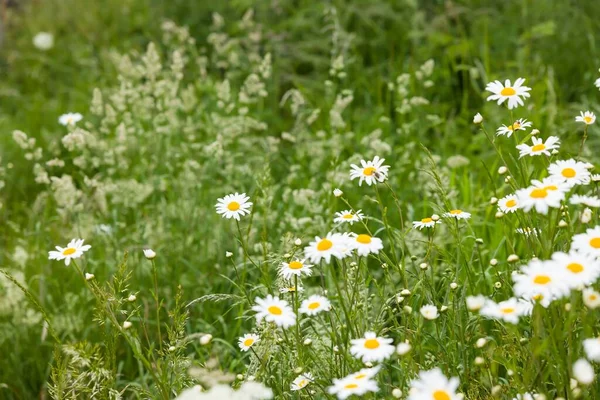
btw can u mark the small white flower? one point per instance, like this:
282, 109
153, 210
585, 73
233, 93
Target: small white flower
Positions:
247, 341
295, 268
127, 325
518, 125
273, 309
586, 216
370, 171
588, 242
205, 339
337, 192
233, 206
591, 298
539, 147
74, 249
89, 277
365, 244
43, 41
474, 303
70, 119
507, 91
458, 214
502, 170
570, 171
426, 223
477, 119
508, 311
301, 381
587, 118
433, 385
372, 347
583, 371
132, 298
539, 198
324, 248
348, 386
403, 348
592, 349
590, 201
149, 254
314, 305
348, 216
508, 204
429, 312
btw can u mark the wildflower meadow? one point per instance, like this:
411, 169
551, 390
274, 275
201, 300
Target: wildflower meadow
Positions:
297, 199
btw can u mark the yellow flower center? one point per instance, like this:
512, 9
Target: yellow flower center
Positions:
592, 297
371, 344
426, 220
324, 244
455, 212
233, 206
295, 265
575, 268
516, 125
369, 171
538, 297
302, 383
441, 395
364, 239
538, 193
595, 242
568, 172
588, 120
275, 310
360, 376
69, 251
507, 91
542, 280
347, 216
351, 386
248, 342
507, 310
539, 147
511, 203
313, 306
551, 187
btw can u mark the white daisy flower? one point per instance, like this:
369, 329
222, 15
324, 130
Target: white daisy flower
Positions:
509, 310
583, 371
474, 303
592, 349
372, 348
295, 268
365, 244
43, 41
273, 309
551, 184
348, 386
314, 305
233, 206
579, 269
570, 171
508, 204
291, 288
590, 201
425, 223
429, 312
588, 242
74, 249
587, 118
434, 385
365, 373
324, 248
70, 119
528, 231
348, 216
370, 171
591, 298
543, 281
539, 198
458, 214
539, 147
248, 340
518, 125
302, 381
512, 93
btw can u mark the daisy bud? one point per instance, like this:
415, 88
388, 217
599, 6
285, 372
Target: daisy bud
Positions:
497, 285
399, 299
479, 241
576, 393
89, 277
539, 396
535, 132
403, 348
583, 371
507, 179
496, 390
423, 265
205, 339
568, 307
510, 372
499, 214
405, 292
475, 303
298, 242
131, 298
559, 398
429, 312
502, 170
239, 377
307, 342
562, 223
172, 348
573, 383
228, 254
408, 309
479, 360
481, 342
384, 265
512, 258
586, 216
435, 217
443, 308
493, 262
493, 200
554, 152
414, 258
337, 192
397, 393
298, 370
287, 255
368, 364
453, 285
251, 378
336, 349
477, 119
127, 325
149, 254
